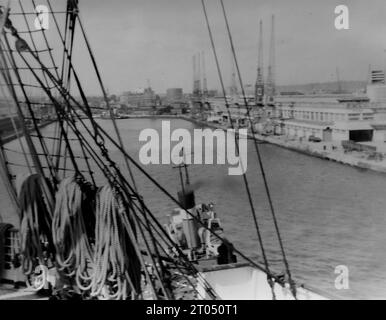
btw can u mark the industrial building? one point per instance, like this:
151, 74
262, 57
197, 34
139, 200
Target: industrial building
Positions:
376, 88
330, 118
334, 117
174, 95
139, 98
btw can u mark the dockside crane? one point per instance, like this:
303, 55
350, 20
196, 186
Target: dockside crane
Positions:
338, 81
259, 85
233, 88
196, 76
271, 86
204, 80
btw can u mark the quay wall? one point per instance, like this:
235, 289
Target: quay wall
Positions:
307, 150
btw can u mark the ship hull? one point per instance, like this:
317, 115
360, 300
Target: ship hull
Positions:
241, 281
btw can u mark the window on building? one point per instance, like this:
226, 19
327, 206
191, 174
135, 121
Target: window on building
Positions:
354, 116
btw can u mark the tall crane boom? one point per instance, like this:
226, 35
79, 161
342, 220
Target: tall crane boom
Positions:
233, 88
271, 86
196, 76
204, 81
259, 86
338, 80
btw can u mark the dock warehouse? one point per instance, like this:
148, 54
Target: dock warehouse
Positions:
349, 118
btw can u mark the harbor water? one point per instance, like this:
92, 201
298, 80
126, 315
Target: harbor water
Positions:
329, 214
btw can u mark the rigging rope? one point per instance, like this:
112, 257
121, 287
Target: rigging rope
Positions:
268, 193
100, 144
37, 161
265, 259
16, 130
111, 111
98, 136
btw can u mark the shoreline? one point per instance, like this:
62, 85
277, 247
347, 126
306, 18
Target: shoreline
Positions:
293, 145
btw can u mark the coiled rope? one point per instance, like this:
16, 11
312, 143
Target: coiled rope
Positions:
35, 222
117, 270
69, 234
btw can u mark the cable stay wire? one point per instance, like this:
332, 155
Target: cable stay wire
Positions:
125, 191
266, 186
34, 73
101, 133
245, 179
112, 116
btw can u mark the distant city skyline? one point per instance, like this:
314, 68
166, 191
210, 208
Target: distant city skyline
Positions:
142, 39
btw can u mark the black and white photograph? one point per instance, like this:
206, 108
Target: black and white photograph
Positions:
192, 153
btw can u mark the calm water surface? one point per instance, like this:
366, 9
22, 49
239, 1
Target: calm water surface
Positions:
329, 214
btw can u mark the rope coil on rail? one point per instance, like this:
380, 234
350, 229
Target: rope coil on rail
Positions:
35, 222
69, 233
117, 270
105, 267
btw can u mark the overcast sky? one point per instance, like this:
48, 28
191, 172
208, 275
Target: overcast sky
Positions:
136, 40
